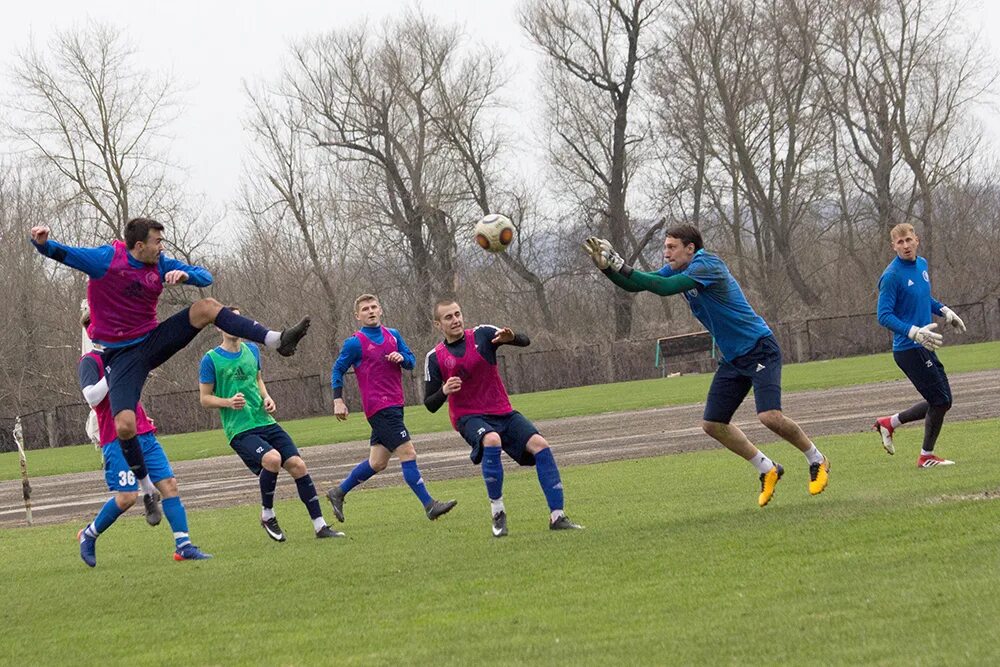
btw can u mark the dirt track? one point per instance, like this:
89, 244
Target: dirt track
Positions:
223, 481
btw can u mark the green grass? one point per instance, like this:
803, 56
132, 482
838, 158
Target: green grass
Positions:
892, 565
588, 400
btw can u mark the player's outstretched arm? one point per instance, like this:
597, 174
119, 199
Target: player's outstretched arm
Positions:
176, 272
92, 261
662, 285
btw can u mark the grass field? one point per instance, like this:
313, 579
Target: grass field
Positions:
892, 565
539, 405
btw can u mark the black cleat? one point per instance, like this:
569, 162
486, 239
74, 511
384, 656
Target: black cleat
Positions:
291, 336
437, 508
336, 497
272, 529
326, 531
564, 523
151, 505
500, 524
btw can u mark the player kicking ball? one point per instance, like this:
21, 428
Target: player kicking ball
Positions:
230, 379
462, 370
905, 306
119, 477
751, 358
377, 355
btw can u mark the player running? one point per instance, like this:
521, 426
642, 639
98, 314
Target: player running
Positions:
905, 305
462, 370
119, 477
124, 286
377, 355
231, 380
750, 356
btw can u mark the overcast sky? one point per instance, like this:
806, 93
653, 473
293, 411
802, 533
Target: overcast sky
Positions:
212, 46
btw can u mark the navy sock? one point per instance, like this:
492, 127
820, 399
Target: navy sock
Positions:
237, 325
548, 478
107, 516
412, 476
932, 425
132, 451
493, 472
173, 509
307, 493
268, 480
362, 472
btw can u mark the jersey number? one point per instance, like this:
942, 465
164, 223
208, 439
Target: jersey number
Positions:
126, 478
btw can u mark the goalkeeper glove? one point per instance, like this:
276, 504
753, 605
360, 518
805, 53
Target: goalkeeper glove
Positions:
594, 247
952, 318
926, 336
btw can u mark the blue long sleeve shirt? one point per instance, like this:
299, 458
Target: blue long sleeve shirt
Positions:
904, 300
350, 355
95, 262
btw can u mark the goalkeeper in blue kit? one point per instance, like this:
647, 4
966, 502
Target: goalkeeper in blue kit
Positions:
750, 356
905, 306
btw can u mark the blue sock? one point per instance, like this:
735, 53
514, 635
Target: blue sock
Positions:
132, 452
173, 509
268, 480
548, 478
307, 494
362, 472
412, 476
107, 516
493, 472
237, 325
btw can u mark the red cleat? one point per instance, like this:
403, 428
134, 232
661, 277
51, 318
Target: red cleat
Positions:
884, 427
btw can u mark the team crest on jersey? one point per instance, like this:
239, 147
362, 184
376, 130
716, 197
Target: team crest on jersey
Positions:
691, 293
449, 363
152, 278
927, 278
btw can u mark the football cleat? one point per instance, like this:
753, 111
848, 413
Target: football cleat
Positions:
436, 508
564, 523
336, 497
87, 548
291, 336
326, 531
151, 507
884, 427
272, 529
500, 524
190, 552
768, 481
930, 461
819, 476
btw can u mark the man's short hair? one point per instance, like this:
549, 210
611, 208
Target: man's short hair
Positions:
902, 229
687, 234
361, 299
137, 229
443, 301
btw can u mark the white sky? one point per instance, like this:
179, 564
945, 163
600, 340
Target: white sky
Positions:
212, 46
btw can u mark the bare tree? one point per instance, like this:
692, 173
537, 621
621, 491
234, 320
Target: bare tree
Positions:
85, 110
595, 49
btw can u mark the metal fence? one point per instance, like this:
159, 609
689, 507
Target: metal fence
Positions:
524, 370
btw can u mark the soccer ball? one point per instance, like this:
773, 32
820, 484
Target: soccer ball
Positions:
494, 232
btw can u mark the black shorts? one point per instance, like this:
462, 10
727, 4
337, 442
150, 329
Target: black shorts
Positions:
760, 369
513, 428
925, 371
253, 444
388, 428
128, 367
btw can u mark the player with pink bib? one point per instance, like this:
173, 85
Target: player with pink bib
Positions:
378, 355
120, 479
462, 370
124, 286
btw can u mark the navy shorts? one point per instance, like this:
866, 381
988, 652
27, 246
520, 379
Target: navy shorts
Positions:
925, 371
759, 369
253, 444
513, 428
388, 428
128, 367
